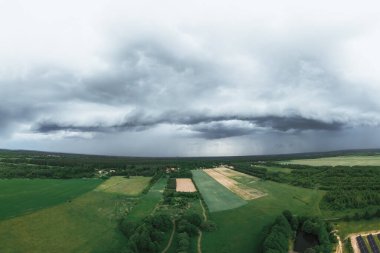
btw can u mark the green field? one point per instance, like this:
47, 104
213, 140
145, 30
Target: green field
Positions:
340, 160
346, 228
276, 169
132, 186
21, 196
149, 201
86, 224
240, 229
216, 196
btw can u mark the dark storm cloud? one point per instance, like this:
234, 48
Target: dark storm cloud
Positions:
208, 127
297, 123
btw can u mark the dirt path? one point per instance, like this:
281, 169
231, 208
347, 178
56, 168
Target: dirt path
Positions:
171, 239
203, 210
199, 244
199, 241
339, 247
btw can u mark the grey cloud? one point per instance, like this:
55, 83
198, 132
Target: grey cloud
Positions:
297, 123
148, 73
11, 117
209, 83
208, 127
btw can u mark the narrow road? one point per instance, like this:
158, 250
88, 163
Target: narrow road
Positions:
339, 247
199, 241
203, 210
200, 232
171, 239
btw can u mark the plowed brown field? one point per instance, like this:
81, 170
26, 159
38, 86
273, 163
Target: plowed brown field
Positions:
185, 185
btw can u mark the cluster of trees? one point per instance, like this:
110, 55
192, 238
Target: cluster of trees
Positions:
322, 230
43, 171
285, 228
347, 187
183, 240
278, 237
187, 226
181, 173
339, 199
145, 236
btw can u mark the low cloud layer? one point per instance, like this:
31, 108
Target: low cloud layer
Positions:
216, 79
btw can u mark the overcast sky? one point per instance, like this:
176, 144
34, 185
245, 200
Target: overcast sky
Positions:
189, 78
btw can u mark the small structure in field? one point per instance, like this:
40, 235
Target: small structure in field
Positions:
185, 185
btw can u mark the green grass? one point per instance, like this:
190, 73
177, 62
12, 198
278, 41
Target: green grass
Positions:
216, 196
21, 196
340, 160
377, 241
348, 227
147, 203
132, 186
240, 230
86, 224
276, 169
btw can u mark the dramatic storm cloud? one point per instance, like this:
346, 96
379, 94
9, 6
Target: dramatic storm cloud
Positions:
169, 78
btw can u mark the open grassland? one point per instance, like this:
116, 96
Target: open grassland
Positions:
225, 177
350, 227
185, 185
275, 169
132, 186
216, 196
240, 229
86, 224
373, 160
21, 196
147, 203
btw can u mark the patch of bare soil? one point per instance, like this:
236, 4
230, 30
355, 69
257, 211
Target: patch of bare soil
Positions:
185, 185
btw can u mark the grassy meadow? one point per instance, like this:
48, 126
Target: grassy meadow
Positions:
216, 196
21, 196
148, 202
133, 186
356, 160
243, 226
86, 224
80, 222
345, 228
277, 169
